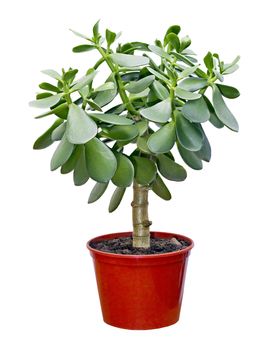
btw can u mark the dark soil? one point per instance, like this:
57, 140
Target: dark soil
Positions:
124, 246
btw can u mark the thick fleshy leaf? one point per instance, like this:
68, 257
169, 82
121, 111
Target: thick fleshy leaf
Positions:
105, 87
122, 132
81, 175
104, 97
173, 40
71, 162
80, 127
110, 37
228, 91
160, 52
140, 85
52, 73
70, 75
87, 79
46, 102
160, 112
231, 69
111, 118
124, 174
45, 139
193, 84
142, 144
186, 95
49, 87
58, 133
173, 29
83, 48
129, 60
43, 95
199, 72
162, 140
205, 151
185, 42
170, 169
159, 188
222, 111
94, 105
145, 170
188, 134
95, 30
142, 126
187, 71
101, 162
196, 111
116, 198
62, 153
159, 90
61, 111
209, 62
159, 75
83, 36
130, 76
190, 158
213, 117
97, 191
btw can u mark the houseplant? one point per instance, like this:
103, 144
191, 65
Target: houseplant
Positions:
123, 131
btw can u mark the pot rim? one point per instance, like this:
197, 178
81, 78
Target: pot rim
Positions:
140, 256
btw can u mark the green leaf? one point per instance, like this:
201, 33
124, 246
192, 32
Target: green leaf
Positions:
43, 95
209, 62
145, 170
173, 40
46, 102
231, 69
87, 79
52, 73
70, 164
193, 84
188, 134
69, 76
116, 198
190, 158
205, 151
80, 175
122, 132
187, 71
185, 42
129, 60
186, 95
106, 86
94, 105
160, 52
83, 48
213, 117
159, 75
138, 86
110, 37
228, 91
200, 73
170, 169
142, 144
101, 162
97, 191
173, 29
79, 34
160, 112
95, 30
104, 97
196, 111
159, 90
162, 140
58, 133
62, 153
48, 87
80, 127
111, 118
130, 76
45, 140
159, 188
124, 174
222, 111
142, 126
61, 111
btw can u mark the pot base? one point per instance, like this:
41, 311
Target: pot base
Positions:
140, 291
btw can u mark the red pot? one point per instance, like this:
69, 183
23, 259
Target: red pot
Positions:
140, 291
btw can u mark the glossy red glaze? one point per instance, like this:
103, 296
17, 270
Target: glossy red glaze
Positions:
140, 291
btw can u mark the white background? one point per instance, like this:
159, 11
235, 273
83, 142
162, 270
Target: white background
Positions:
48, 292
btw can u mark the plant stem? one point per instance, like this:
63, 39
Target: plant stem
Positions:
120, 85
141, 223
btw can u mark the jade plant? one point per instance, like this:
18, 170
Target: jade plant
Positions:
153, 102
